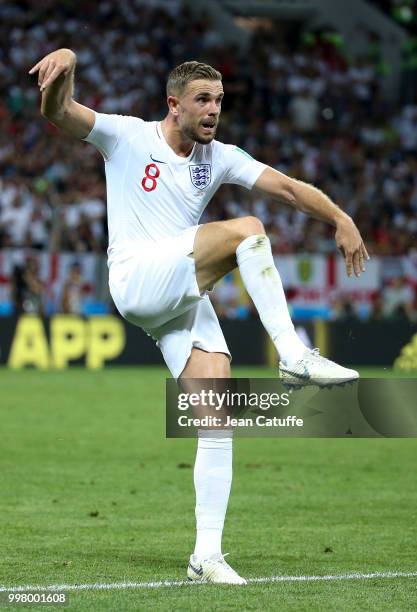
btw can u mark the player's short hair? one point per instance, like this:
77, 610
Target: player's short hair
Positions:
183, 74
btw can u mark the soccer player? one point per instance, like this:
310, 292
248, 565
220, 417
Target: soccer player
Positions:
160, 177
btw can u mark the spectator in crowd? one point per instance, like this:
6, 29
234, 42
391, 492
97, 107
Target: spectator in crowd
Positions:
72, 292
377, 309
28, 289
399, 300
343, 310
18, 288
304, 109
15, 220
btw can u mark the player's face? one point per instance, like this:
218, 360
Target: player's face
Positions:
199, 110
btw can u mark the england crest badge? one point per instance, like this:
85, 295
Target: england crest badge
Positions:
200, 175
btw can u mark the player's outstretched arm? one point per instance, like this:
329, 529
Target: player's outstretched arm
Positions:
56, 82
315, 203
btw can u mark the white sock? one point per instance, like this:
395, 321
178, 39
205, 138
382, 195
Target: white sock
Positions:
263, 283
212, 481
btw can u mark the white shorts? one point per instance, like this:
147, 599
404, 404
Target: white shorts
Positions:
157, 290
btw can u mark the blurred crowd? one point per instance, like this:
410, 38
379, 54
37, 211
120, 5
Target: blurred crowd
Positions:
294, 102
397, 301
31, 294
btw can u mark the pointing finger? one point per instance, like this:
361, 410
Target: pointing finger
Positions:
35, 67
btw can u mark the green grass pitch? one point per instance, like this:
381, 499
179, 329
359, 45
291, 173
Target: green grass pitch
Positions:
92, 492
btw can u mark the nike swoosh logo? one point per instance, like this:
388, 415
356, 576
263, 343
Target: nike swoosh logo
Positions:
157, 160
302, 375
198, 571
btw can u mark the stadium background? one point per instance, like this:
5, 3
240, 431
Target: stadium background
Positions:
320, 96
92, 492
325, 95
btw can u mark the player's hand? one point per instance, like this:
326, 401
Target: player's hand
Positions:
52, 66
350, 243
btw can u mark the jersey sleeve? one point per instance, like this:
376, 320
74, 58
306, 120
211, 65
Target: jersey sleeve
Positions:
110, 131
240, 167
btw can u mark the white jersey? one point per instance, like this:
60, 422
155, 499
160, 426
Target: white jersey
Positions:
152, 193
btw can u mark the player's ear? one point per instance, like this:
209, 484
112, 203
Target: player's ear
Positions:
173, 103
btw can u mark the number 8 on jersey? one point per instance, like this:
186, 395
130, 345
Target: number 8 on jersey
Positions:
149, 181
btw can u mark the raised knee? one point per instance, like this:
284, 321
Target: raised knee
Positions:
250, 226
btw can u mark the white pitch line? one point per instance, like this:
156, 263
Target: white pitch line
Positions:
177, 583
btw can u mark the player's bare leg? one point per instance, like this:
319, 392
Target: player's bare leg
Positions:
215, 247
221, 246
201, 364
212, 481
